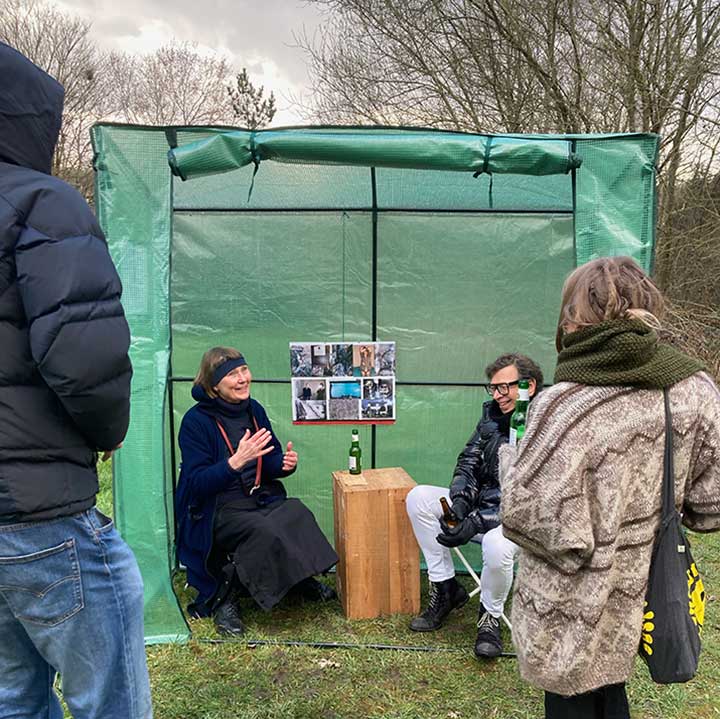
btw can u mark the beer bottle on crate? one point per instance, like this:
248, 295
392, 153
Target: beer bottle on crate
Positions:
519, 416
355, 455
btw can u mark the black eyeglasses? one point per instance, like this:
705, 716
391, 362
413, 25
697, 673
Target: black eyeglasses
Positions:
502, 388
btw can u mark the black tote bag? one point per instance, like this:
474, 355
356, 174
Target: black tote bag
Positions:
675, 598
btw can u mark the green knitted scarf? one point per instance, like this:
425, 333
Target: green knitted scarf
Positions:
622, 352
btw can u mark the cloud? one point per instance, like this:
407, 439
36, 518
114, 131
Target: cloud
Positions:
256, 34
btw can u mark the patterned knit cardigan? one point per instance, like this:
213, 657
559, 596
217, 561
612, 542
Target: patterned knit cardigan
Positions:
582, 498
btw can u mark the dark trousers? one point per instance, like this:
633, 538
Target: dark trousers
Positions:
605, 703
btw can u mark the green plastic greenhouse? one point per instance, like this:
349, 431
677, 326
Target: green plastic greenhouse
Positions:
454, 246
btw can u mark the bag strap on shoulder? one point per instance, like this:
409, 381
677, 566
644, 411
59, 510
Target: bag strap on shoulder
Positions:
668, 506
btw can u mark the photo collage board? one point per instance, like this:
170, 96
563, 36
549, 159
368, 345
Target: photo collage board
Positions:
343, 382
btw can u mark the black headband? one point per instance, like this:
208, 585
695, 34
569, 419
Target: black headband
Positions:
227, 366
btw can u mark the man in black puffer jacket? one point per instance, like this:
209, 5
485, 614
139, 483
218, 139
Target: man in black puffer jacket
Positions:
475, 496
71, 598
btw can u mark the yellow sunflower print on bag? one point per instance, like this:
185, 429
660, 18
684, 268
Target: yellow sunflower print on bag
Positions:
647, 630
696, 608
696, 597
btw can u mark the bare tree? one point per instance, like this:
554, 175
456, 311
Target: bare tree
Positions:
179, 85
690, 256
507, 65
544, 66
249, 105
515, 66
175, 85
60, 44
553, 66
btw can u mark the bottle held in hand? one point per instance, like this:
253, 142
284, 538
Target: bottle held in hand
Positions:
448, 514
519, 415
355, 455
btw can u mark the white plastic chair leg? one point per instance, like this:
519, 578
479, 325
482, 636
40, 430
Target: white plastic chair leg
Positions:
470, 570
474, 575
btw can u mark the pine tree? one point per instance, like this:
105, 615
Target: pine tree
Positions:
251, 109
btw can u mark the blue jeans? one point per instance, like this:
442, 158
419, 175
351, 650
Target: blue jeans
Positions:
71, 601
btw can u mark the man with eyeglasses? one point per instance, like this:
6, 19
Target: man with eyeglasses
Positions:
475, 497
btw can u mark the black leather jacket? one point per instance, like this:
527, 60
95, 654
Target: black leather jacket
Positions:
475, 478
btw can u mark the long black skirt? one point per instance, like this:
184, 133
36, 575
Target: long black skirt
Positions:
273, 548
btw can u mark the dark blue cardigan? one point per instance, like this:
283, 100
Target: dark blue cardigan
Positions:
204, 473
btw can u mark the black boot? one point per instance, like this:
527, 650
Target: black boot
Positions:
315, 591
488, 643
227, 616
444, 597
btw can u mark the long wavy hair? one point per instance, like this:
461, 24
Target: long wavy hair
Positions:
609, 288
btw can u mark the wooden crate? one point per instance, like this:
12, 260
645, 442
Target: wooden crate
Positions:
379, 568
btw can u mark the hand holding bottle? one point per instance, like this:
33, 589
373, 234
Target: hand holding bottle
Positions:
251, 447
460, 508
458, 534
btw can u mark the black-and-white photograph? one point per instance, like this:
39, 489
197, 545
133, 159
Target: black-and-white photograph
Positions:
300, 360
378, 388
309, 410
340, 409
341, 360
385, 358
378, 409
320, 358
309, 397
309, 389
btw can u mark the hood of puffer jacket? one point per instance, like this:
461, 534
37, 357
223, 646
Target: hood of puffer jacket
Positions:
31, 104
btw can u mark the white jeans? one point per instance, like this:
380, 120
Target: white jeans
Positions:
499, 553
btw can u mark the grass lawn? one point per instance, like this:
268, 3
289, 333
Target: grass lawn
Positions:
210, 678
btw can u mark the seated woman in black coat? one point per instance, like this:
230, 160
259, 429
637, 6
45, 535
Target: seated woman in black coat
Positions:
237, 529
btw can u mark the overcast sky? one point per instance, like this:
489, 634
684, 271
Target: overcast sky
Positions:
256, 34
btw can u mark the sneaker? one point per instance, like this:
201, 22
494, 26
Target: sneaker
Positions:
444, 597
227, 617
488, 643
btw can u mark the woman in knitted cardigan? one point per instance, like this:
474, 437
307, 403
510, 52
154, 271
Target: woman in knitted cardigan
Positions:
581, 495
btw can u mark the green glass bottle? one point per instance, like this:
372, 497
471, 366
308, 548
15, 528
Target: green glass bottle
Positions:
355, 456
519, 415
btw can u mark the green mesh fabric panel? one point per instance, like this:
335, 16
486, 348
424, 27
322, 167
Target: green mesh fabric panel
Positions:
615, 202
444, 286
465, 269
455, 291
134, 208
435, 189
302, 186
376, 147
260, 281
278, 186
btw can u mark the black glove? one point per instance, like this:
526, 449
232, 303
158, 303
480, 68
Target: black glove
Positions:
455, 536
460, 508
